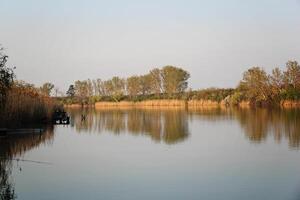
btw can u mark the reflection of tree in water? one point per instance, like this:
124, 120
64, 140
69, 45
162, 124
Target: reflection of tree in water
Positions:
169, 126
258, 123
11, 147
254, 123
175, 127
214, 114
7, 190
280, 123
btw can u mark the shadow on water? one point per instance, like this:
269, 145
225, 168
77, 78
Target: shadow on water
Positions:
12, 147
172, 125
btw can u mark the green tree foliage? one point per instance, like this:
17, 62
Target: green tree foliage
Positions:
46, 89
174, 79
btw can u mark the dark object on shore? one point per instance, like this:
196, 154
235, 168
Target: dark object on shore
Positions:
24, 131
61, 117
83, 117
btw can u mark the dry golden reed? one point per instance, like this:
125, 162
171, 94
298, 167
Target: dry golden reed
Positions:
26, 105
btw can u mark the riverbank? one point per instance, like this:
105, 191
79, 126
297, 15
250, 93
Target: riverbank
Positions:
178, 103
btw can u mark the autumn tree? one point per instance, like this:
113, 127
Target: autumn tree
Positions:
292, 74
99, 88
255, 84
90, 89
174, 79
118, 87
46, 88
108, 87
133, 86
81, 91
114, 88
145, 84
155, 81
292, 80
276, 83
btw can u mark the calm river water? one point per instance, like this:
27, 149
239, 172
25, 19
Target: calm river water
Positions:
134, 154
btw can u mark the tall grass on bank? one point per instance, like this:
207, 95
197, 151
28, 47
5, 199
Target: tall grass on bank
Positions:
25, 105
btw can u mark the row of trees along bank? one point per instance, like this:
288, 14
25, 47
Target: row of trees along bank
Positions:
169, 82
21, 103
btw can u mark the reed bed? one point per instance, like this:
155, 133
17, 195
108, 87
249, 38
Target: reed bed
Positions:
26, 106
76, 105
147, 103
203, 103
244, 104
290, 104
162, 103
191, 104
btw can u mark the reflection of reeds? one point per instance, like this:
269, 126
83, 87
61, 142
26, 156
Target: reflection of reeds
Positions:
15, 146
290, 104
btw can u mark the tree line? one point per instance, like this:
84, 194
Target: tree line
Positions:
169, 80
259, 87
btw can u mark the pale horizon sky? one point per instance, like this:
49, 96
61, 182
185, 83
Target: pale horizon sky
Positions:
61, 41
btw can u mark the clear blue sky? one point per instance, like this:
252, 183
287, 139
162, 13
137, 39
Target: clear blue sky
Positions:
215, 40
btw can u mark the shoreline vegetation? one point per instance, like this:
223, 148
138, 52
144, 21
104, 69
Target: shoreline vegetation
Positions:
178, 103
22, 104
168, 87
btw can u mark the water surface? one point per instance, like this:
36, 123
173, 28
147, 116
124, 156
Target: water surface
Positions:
158, 154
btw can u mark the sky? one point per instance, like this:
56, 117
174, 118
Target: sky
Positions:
61, 41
